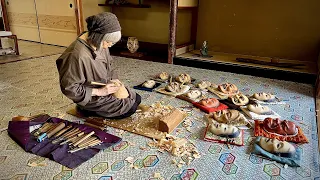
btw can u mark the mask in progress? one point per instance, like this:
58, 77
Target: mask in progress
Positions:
204, 84
183, 78
164, 76
228, 88
149, 84
194, 94
240, 99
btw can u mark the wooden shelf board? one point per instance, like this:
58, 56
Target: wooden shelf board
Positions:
227, 58
187, 7
127, 5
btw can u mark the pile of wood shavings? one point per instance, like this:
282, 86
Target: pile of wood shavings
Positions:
155, 110
177, 147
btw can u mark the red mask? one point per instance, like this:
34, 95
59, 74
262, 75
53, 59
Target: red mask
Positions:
210, 102
281, 127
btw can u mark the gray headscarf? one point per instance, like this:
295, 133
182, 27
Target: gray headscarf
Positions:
100, 25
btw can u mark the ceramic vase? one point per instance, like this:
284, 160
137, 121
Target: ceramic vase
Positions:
133, 44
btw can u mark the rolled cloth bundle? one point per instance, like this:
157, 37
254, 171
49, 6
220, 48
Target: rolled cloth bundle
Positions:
100, 25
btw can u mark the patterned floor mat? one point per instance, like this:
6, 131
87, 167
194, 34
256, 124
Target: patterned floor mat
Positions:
32, 87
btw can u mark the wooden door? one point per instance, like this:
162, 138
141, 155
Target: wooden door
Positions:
23, 19
57, 21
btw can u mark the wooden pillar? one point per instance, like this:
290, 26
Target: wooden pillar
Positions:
79, 18
5, 15
172, 30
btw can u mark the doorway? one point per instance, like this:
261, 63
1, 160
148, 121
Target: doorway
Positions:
44, 21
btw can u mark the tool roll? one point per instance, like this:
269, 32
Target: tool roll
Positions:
67, 143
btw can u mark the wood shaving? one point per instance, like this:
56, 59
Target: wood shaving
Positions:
131, 143
178, 147
156, 110
130, 160
157, 175
143, 148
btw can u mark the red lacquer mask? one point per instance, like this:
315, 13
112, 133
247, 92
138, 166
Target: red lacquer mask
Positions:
210, 102
281, 127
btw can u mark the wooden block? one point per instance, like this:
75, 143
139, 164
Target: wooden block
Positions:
171, 121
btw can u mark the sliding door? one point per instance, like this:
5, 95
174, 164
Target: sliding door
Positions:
23, 19
57, 21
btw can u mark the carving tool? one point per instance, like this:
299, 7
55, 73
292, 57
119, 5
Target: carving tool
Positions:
98, 83
95, 122
63, 131
64, 135
72, 138
88, 141
94, 143
94, 126
51, 132
84, 138
44, 128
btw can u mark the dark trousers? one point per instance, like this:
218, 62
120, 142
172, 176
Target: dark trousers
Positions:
127, 114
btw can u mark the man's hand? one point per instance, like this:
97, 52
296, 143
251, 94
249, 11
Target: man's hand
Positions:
106, 90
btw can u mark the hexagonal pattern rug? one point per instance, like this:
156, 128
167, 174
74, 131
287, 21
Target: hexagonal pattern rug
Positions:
32, 87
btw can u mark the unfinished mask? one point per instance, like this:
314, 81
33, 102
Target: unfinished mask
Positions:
204, 84
183, 78
274, 146
280, 127
240, 99
122, 93
210, 102
164, 76
226, 116
267, 97
194, 94
228, 88
258, 109
224, 130
149, 84
175, 87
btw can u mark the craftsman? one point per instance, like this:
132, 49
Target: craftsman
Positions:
88, 60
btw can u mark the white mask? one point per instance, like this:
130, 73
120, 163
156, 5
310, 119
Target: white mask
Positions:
224, 130
264, 96
258, 109
275, 146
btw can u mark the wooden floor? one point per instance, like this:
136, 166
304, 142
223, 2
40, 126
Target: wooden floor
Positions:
29, 50
230, 59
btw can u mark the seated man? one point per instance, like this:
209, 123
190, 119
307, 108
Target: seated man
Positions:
88, 60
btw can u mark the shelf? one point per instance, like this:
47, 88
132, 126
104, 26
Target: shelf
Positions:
187, 7
127, 5
230, 59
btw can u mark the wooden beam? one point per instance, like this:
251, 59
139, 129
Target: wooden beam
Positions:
172, 30
79, 17
5, 16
